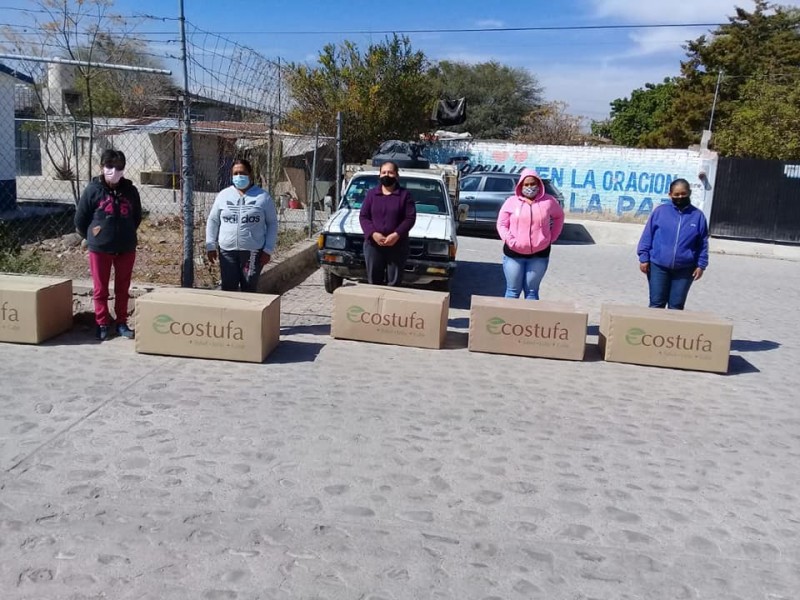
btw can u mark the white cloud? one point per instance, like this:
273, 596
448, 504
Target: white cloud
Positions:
647, 42
471, 58
673, 11
656, 41
598, 86
489, 23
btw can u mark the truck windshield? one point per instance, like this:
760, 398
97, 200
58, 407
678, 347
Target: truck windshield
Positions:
429, 195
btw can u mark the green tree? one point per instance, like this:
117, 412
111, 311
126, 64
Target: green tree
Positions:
768, 123
633, 119
764, 41
383, 93
755, 58
499, 97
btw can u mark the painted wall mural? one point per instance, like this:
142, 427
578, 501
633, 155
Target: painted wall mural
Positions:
610, 183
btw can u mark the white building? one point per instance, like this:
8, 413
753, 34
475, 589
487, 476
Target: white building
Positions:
8, 168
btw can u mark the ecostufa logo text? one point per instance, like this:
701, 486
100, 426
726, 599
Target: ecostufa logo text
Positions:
8, 313
356, 314
164, 324
639, 337
498, 326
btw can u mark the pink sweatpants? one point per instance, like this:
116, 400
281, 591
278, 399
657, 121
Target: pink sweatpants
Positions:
100, 264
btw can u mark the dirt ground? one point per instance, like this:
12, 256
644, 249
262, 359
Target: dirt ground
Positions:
158, 255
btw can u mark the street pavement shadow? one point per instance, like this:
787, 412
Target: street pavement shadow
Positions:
486, 234
476, 279
592, 353
318, 329
738, 365
456, 340
290, 352
81, 334
575, 233
459, 323
572, 233
753, 345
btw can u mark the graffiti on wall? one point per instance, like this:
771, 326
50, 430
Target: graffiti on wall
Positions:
590, 186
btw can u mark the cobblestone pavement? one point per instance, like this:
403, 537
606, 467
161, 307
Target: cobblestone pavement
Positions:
340, 469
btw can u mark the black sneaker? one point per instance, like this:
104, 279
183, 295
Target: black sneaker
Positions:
124, 331
101, 332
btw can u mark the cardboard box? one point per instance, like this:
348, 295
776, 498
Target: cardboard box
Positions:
526, 328
389, 315
208, 324
665, 338
34, 309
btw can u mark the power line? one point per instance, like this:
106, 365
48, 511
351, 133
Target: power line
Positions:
113, 16
477, 29
610, 27
31, 30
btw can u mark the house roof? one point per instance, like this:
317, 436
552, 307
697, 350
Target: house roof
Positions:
21, 77
230, 129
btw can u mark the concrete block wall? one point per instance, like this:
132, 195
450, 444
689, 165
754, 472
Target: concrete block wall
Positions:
608, 183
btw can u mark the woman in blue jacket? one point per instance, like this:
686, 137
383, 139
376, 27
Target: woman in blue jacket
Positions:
673, 249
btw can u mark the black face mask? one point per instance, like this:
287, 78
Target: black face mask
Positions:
681, 202
388, 181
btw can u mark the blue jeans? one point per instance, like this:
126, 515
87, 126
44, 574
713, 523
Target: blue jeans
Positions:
669, 287
524, 275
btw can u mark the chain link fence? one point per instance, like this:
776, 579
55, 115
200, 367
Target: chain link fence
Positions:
238, 100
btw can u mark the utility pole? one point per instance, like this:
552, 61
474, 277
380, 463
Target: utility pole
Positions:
716, 95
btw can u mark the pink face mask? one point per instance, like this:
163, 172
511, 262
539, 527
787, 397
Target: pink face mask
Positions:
112, 176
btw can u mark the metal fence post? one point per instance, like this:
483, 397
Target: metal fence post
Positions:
77, 158
338, 159
313, 183
271, 150
187, 157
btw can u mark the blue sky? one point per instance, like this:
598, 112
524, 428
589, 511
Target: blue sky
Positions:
586, 69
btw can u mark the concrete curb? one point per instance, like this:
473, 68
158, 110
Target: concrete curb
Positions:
284, 273
279, 276
627, 234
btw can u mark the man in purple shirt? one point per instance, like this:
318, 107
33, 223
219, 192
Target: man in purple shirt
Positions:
387, 215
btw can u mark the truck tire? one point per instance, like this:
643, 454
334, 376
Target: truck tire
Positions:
332, 281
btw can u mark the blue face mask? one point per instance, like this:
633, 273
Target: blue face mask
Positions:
241, 182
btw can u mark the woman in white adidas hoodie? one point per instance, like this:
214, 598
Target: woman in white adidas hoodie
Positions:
243, 226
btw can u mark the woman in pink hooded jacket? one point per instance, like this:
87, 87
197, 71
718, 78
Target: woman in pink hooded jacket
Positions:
528, 223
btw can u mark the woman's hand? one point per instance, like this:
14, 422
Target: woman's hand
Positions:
391, 239
264, 258
379, 238
644, 267
697, 274
212, 256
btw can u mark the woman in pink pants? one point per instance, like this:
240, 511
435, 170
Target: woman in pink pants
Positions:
108, 215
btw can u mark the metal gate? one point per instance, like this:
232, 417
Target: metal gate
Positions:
757, 200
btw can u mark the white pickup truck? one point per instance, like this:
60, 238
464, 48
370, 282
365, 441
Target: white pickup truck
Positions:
432, 240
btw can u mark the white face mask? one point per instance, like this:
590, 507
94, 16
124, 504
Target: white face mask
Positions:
112, 175
530, 191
